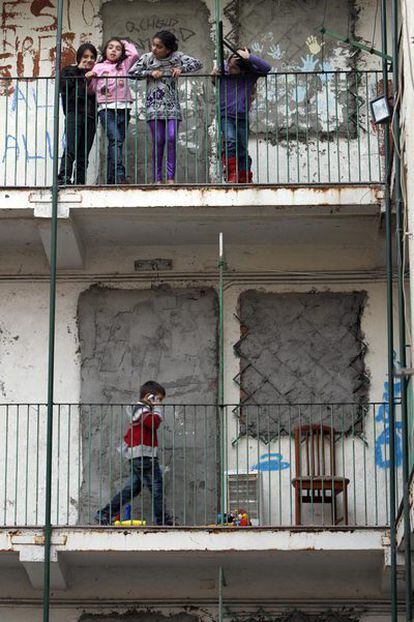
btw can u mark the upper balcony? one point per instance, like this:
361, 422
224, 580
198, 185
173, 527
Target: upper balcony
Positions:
312, 152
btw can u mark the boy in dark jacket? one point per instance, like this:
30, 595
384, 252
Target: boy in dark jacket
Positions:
237, 89
140, 446
79, 110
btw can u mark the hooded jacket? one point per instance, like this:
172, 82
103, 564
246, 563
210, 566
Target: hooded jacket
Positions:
141, 440
110, 82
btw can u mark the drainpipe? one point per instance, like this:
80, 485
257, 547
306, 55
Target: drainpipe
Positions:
52, 316
221, 407
399, 204
390, 325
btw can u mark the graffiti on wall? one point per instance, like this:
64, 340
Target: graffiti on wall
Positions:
382, 440
142, 29
27, 47
270, 462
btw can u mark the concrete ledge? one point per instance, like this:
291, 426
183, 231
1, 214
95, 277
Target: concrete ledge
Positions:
181, 539
149, 197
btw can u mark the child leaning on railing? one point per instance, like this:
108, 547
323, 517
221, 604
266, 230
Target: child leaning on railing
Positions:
237, 88
114, 99
161, 67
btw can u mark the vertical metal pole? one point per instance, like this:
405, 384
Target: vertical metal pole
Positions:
52, 314
390, 327
219, 78
401, 313
222, 435
221, 586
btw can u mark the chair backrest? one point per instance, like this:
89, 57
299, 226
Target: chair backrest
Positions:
315, 450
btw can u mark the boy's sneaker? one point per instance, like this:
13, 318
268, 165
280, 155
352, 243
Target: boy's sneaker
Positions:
102, 518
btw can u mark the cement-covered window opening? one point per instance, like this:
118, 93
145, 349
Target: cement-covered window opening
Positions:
302, 360
126, 338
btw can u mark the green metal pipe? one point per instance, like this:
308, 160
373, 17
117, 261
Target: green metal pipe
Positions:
219, 63
221, 411
401, 311
390, 328
52, 318
353, 43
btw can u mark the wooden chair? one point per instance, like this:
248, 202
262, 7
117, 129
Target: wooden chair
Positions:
316, 480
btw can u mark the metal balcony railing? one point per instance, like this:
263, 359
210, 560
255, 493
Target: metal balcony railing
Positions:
302, 128
282, 465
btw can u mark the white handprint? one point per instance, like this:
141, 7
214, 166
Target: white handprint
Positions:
275, 52
257, 47
309, 63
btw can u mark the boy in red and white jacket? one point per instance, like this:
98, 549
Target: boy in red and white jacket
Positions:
140, 446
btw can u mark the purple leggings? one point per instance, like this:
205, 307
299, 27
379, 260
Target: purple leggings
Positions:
158, 128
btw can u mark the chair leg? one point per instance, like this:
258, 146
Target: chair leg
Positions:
334, 510
346, 505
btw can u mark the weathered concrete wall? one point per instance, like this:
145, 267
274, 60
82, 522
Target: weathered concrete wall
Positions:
126, 338
24, 367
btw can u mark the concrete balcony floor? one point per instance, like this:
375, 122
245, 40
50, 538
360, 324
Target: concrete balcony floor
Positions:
181, 215
109, 563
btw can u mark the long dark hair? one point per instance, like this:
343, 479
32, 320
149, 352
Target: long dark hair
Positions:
168, 38
123, 51
82, 49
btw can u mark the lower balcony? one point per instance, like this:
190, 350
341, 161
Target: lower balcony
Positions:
275, 495
284, 465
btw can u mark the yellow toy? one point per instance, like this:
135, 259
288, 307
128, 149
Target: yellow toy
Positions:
130, 523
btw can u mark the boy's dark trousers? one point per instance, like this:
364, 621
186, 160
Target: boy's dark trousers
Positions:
80, 132
147, 471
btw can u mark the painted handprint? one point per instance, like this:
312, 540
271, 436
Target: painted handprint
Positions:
309, 62
275, 52
257, 47
314, 45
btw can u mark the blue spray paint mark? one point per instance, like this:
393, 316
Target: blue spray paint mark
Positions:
383, 439
12, 144
270, 462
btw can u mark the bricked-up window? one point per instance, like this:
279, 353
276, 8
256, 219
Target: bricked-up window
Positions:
302, 360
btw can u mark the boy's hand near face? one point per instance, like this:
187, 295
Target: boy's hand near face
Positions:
244, 53
152, 400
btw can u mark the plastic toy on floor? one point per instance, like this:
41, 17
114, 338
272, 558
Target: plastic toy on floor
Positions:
235, 518
127, 521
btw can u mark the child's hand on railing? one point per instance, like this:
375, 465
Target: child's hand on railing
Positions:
176, 72
156, 74
90, 74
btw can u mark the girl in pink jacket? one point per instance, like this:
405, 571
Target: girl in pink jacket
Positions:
114, 99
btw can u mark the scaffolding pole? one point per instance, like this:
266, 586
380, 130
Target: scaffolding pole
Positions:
390, 326
221, 588
399, 205
220, 65
221, 411
52, 322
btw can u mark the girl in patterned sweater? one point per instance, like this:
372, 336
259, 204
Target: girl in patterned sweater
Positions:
161, 67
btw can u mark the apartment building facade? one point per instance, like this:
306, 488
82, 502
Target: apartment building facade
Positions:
261, 307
